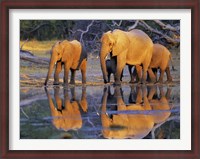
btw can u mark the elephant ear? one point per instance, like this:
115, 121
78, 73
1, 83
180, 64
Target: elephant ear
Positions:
121, 42
64, 47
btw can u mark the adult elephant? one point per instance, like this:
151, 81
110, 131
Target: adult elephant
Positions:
160, 60
71, 55
132, 48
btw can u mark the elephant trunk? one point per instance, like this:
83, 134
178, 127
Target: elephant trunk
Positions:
51, 66
103, 65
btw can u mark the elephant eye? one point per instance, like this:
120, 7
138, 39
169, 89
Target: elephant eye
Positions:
110, 44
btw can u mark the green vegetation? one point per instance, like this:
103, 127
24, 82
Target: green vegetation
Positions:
89, 32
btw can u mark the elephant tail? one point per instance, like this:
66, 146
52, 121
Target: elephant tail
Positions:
173, 68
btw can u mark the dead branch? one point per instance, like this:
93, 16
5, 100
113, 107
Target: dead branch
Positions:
23, 44
27, 56
116, 24
169, 39
134, 26
166, 26
37, 60
85, 31
26, 53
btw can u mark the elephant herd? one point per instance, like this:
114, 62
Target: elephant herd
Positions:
132, 48
67, 111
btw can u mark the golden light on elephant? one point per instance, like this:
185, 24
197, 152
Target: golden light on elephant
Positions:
160, 105
126, 125
136, 120
66, 115
72, 56
160, 60
132, 48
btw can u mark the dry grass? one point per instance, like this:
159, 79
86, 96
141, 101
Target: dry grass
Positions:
38, 48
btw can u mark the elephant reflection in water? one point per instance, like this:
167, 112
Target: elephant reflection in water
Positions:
160, 103
66, 115
129, 124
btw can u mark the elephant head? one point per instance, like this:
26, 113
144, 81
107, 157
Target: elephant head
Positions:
114, 43
56, 55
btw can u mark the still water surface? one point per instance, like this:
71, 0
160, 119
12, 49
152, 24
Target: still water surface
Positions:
100, 112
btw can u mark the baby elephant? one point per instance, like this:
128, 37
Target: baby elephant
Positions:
72, 56
111, 66
160, 60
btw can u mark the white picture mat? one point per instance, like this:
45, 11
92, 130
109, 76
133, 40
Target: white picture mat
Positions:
15, 143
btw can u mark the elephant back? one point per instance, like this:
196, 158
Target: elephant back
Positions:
139, 35
140, 48
77, 46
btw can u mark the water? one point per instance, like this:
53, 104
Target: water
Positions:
100, 112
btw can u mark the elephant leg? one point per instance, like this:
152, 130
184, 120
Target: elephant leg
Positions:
139, 95
83, 103
151, 79
162, 94
73, 73
168, 94
152, 92
139, 73
132, 96
155, 70
73, 93
151, 75
58, 99
169, 77
83, 68
109, 77
161, 76
57, 72
120, 102
148, 77
122, 75
120, 67
132, 75
144, 76
66, 74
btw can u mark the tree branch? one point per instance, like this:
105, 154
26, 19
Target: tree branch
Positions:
166, 26
169, 39
115, 23
85, 31
134, 26
23, 44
